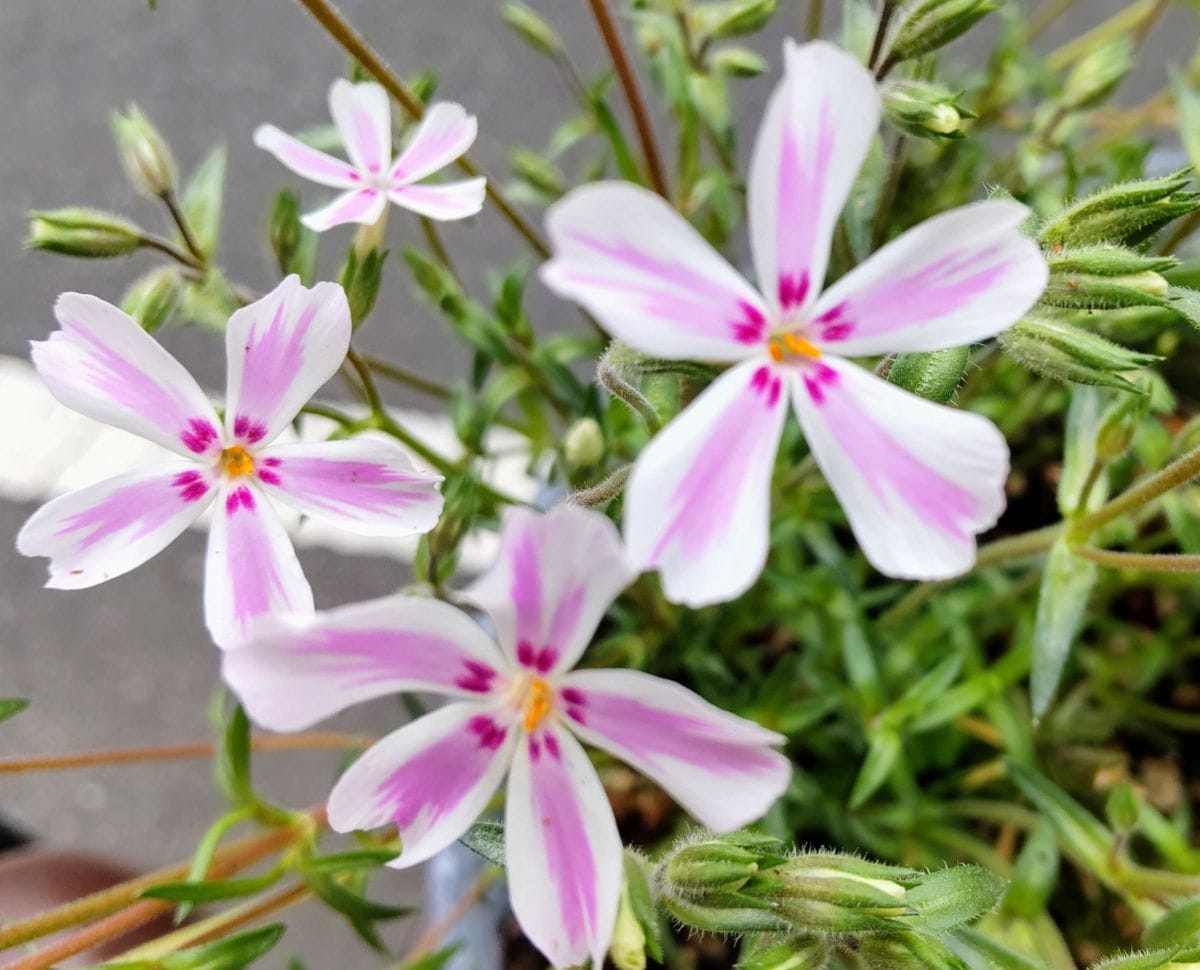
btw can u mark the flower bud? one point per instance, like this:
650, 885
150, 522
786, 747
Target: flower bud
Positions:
532, 28
1091, 292
709, 866
738, 62
933, 374
1128, 213
728, 913
923, 109
907, 951
145, 156
628, 947
830, 893
1050, 346
1122, 808
799, 953
152, 297
284, 230
583, 444
934, 23
538, 172
730, 18
361, 278
77, 231
1117, 428
1096, 75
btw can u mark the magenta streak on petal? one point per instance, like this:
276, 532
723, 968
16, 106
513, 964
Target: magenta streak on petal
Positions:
310, 162
707, 493
240, 497
434, 781
802, 179
945, 286
567, 614
421, 154
653, 734
273, 358
751, 328
569, 861
526, 653
526, 592
816, 379
120, 379
345, 487
546, 659
359, 656
255, 584
368, 139
249, 431
134, 511
892, 471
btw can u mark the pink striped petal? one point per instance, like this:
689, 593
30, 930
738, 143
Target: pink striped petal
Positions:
281, 350
445, 133
959, 277
107, 529
303, 160
102, 364
649, 277
292, 673
720, 768
431, 779
918, 481
251, 569
814, 137
362, 206
446, 202
363, 118
697, 505
562, 848
364, 485
555, 576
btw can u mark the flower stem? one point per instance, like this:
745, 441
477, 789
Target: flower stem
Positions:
433, 936
185, 230
1179, 472
602, 493
1151, 562
816, 17
170, 249
343, 32
394, 372
885, 20
115, 756
633, 94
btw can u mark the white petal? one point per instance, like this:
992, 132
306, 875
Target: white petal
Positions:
293, 672
102, 364
650, 279
448, 201
363, 118
304, 160
361, 206
251, 569
697, 506
107, 529
554, 577
814, 136
917, 480
445, 133
959, 277
719, 767
364, 485
563, 851
431, 779
281, 350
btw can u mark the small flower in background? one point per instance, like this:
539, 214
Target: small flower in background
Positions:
518, 710
281, 350
917, 480
363, 118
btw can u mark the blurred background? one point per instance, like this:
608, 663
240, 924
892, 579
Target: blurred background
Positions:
129, 663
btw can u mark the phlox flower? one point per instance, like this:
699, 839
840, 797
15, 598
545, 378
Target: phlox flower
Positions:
917, 480
280, 351
519, 710
363, 117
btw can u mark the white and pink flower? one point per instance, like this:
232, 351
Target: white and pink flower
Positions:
281, 350
363, 117
918, 481
518, 710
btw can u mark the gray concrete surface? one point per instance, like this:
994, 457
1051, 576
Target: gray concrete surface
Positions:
128, 663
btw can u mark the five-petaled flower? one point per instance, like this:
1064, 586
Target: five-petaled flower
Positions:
363, 118
518, 710
281, 350
918, 481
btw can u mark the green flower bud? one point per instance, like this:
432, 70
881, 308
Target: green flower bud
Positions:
799, 953
934, 23
830, 893
907, 951
1128, 213
933, 375
738, 62
728, 913
1048, 345
361, 278
538, 172
78, 231
1096, 75
152, 297
923, 109
145, 156
730, 18
1114, 437
583, 443
628, 947
1107, 261
1088, 291
1121, 808
531, 27
709, 866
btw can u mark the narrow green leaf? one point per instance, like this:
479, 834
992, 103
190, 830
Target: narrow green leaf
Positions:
1066, 586
355, 859
433, 961
206, 892
486, 839
233, 761
881, 758
11, 707
203, 199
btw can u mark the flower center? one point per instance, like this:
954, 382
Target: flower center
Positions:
236, 462
791, 345
538, 703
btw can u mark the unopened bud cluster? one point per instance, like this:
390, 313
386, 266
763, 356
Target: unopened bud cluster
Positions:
925, 109
144, 153
931, 24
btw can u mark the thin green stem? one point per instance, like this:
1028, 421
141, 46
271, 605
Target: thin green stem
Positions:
170, 249
1045, 18
185, 230
343, 32
618, 387
1150, 562
1179, 472
611, 35
400, 375
885, 20
599, 495
816, 17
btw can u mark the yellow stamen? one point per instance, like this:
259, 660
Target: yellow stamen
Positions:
237, 461
775, 351
799, 345
538, 704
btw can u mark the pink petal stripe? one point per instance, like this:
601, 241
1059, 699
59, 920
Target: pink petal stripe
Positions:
303, 160
361, 206
445, 133
447, 201
362, 114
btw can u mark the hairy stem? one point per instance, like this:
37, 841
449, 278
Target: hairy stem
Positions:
1150, 562
170, 249
886, 13
185, 230
602, 493
1179, 472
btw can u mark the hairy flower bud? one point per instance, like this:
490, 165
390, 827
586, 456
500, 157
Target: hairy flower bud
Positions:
907, 951
583, 443
730, 18
934, 23
1128, 213
532, 28
152, 297
1096, 75
145, 156
628, 948
710, 866
1055, 348
832, 893
798, 953
738, 62
924, 109
78, 231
